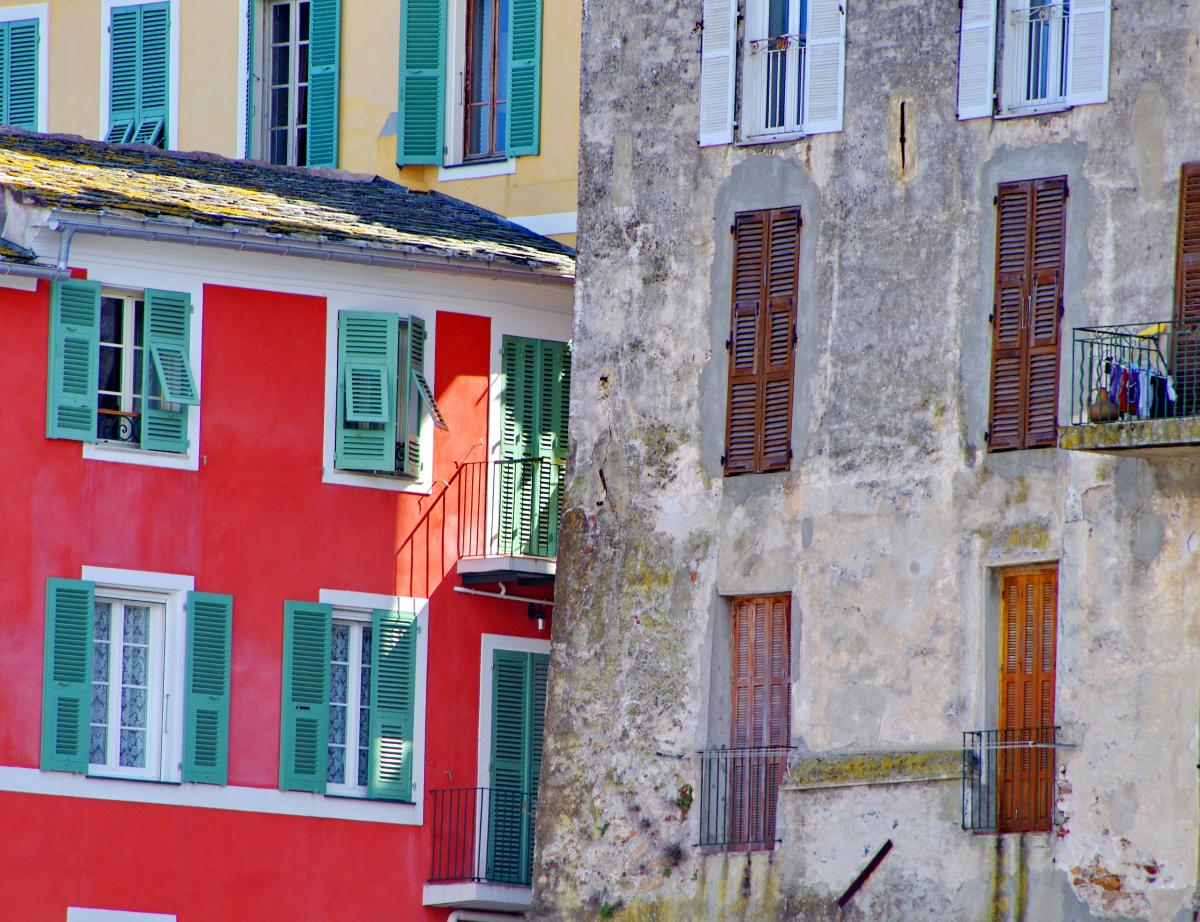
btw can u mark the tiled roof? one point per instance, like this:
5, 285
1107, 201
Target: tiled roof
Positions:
68, 173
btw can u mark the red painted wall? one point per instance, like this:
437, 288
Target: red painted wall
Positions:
257, 522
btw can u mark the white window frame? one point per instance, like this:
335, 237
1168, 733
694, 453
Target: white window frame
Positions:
170, 591
348, 604
753, 99
40, 12
454, 165
130, 353
106, 10
489, 644
115, 285
1016, 50
330, 473
263, 126
80, 914
356, 619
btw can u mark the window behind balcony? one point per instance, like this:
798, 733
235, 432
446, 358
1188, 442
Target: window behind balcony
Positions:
488, 49
1031, 221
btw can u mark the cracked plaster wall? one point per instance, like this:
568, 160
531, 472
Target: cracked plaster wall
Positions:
890, 528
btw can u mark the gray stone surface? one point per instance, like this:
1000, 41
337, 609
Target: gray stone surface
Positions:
894, 520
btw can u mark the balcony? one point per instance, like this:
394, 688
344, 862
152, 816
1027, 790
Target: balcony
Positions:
509, 514
739, 797
1008, 780
482, 849
1135, 389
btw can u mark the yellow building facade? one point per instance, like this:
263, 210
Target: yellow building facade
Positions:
415, 91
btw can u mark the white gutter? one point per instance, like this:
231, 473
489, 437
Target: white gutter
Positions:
29, 270
357, 253
471, 915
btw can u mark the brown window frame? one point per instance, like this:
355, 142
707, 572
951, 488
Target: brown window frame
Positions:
762, 341
494, 90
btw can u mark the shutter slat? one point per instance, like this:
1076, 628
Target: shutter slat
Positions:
67, 675
367, 390
304, 734
420, 120
393, 692
324, 57
167, 371
524, 98
73, 375
206, 687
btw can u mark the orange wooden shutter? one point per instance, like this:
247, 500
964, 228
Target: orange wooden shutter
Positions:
1185, 366
1030, 236
762, 341
1027, 677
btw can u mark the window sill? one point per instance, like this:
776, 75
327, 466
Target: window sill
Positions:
1049, 108
779, 138
477, 170
120, 454
422, 485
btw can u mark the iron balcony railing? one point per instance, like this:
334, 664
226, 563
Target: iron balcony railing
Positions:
739, 796
1135, 371
775, 97
1036, 62
482, 835
511, 508
1008, 779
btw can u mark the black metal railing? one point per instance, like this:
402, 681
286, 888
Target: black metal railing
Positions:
482, 835
1135, 371
1008, 779
739, 796
511, 508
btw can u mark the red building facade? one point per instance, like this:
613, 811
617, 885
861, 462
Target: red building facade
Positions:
288, 710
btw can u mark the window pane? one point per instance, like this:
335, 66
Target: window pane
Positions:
480, 125
339, 657
281, 22
139, 323
364, 710
304, 30
110, 319
137, 618
302, 70
281, 65
501, 127
110, 370
301, 147
279, 151
301, 107
777, 18
133, 748
98, 738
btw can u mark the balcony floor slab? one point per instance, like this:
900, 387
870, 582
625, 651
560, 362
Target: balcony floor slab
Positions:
478, 895
1152, 438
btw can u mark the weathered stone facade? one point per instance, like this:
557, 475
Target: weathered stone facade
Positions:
890, 527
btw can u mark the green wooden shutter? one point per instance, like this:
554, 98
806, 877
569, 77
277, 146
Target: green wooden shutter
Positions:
73, 373
206, 687
304, 734
518, 721
393, 688
19, 74
524, 110
167, 371
154, 74
367, 347
67, 675
124, 65
325, 18
420, 120
554, 408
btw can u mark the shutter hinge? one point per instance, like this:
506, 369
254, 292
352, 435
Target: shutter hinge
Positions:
790, 455
733, 228
987, 436
992, 318
995, 200
729, 344
795, 337
722, 460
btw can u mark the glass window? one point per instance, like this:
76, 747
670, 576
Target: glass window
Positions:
119, 391
775, 97
349, 707
487, 78
127, 688
287, 82
1036, 53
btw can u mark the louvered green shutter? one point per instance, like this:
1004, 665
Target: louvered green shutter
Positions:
518, 720
206, 687
524, 77
367, 347
304, 734
554, 409
393, 687
167, 371
420, 125
325, 17
140, 69
19, 74
72, 373
67, 675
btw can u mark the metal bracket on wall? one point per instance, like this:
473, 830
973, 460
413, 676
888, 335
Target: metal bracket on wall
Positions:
866, 872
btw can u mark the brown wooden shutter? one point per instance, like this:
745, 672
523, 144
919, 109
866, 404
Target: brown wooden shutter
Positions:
1025, 775
761, 715
1185, 364
1030, 237
762, 341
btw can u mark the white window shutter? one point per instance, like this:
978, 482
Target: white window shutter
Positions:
1088, 37
976, 58
824, 65
717, 48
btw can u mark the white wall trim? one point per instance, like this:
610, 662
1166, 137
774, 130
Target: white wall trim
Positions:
173, 589
77, 914
161, 276
243, 78
456, 63
329, 470
560, 222
490, 643
40, 12
106, 8
367, 602
452, 171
